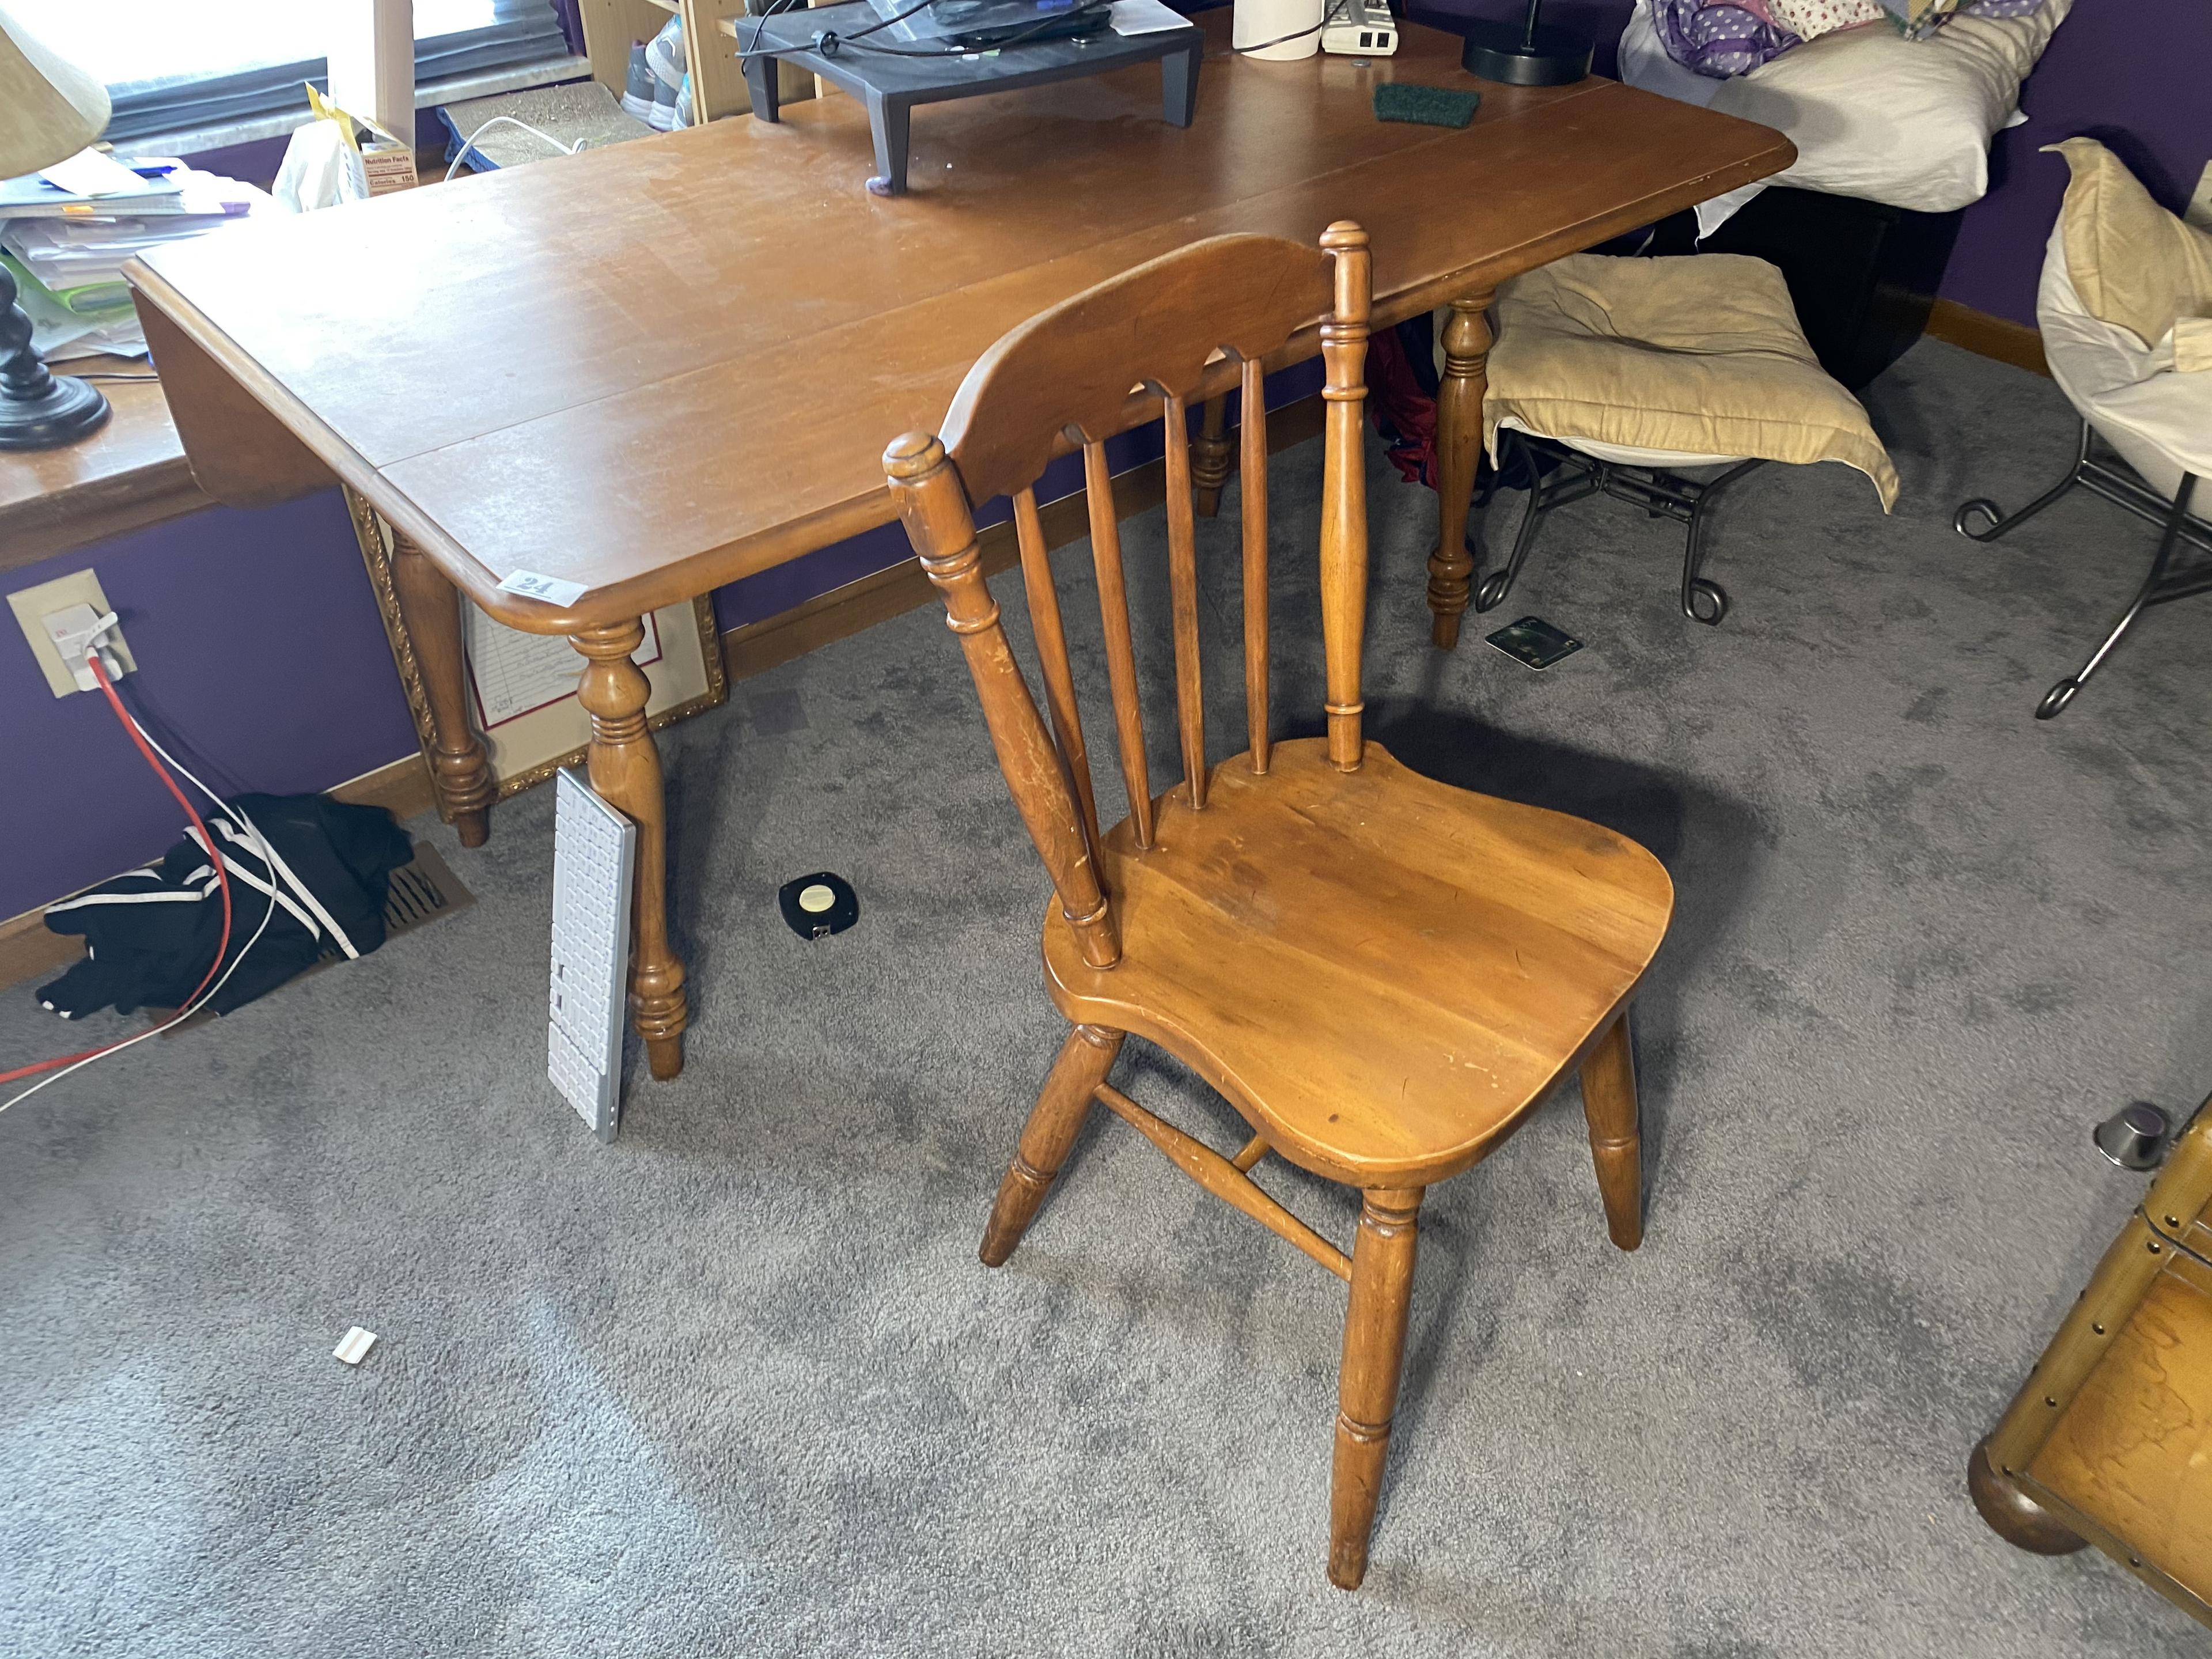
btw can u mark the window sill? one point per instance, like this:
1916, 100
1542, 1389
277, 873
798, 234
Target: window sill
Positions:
200, 140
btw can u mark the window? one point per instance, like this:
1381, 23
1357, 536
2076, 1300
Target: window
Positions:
188, 65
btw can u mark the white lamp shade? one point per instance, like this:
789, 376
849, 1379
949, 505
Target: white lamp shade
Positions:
50, 109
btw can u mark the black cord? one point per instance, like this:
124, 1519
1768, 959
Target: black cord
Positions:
830, 43
779, 7
1329, 13
1013, 39
1284, 39
772, 8
896, 17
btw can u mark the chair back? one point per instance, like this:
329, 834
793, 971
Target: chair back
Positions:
1139, 347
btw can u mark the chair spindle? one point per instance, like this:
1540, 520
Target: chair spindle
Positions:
934, 507
1182, 582
1121, 654
1252, 466
1344, 492
1052, 657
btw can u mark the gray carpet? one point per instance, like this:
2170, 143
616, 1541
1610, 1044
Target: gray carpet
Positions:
737, 1384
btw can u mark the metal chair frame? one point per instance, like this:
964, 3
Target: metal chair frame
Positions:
2161, 585
1660, 493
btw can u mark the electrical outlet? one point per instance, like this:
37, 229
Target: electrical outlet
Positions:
57, 599
80, 635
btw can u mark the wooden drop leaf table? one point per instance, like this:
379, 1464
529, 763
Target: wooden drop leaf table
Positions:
659, 366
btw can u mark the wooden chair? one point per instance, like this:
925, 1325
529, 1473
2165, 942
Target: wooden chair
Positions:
1382, 974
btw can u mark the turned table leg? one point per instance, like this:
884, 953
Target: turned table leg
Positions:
1209, 457
460, 773
1459, 449
625, 769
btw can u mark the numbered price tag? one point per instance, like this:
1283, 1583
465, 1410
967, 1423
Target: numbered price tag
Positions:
551, 589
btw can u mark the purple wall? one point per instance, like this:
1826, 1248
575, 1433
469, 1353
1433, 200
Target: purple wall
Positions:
262, 664
2127, 71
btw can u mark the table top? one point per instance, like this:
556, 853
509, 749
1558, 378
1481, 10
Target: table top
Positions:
659, 367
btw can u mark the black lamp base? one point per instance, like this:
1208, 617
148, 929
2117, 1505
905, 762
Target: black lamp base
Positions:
1544, 56
38, 410
62, 413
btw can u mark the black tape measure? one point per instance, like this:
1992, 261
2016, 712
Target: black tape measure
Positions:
818, 904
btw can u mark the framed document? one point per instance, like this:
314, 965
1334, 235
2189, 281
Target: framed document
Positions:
522, 687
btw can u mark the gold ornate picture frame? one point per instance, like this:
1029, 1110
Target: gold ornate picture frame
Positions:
681, 659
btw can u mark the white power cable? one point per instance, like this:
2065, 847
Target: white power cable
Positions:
261, 848
470, 143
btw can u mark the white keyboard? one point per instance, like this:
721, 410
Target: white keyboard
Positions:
595, 854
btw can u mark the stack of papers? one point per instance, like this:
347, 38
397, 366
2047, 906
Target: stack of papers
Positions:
66, 232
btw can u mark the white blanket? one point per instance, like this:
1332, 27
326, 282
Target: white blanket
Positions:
1872, 114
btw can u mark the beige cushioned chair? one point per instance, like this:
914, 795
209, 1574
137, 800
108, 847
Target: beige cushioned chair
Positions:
1632, 372
2126, 310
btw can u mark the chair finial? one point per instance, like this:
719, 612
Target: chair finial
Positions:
913, 453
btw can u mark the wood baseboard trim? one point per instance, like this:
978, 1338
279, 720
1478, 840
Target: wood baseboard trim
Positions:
755, 647
28, 951
1988, 336
403, 788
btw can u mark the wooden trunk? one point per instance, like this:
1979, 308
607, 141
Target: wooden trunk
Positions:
2109, 1441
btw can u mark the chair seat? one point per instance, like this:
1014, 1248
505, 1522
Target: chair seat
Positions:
1383, 973
1629, 454
1701, 356
2159, 419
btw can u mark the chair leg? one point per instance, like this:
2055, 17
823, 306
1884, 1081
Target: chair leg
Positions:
1616, 1145
1367, 1387
1982, 507
1084, 1060
1493, 588
1703, 601
2056, 699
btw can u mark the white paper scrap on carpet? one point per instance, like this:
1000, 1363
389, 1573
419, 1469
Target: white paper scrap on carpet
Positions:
356, 1346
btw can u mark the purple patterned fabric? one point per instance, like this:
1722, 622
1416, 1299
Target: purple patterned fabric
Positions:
1725, 38
1718, 37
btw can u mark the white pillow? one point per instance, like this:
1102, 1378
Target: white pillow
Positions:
1905, 122
2158, 418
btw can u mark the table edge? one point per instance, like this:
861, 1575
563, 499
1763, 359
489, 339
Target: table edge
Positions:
685, 577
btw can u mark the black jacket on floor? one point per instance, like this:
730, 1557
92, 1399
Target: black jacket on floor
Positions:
150, 935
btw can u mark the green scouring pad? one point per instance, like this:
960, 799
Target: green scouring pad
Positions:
1435, 106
